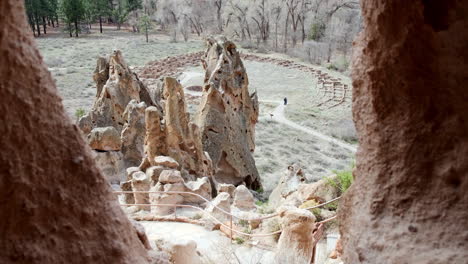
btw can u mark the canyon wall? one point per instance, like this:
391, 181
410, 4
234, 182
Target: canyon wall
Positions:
55, 206
409, 201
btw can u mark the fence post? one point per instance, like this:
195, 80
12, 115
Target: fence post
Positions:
175, 212
231, 227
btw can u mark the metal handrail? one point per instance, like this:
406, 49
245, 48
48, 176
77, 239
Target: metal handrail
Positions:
222, 210
225, 212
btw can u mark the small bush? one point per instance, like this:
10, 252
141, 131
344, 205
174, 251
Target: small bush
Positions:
239, 240
243, 223
273, 226
314, 211
343, 180
79, 113
197, 216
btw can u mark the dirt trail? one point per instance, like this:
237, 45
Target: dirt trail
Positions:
278, 116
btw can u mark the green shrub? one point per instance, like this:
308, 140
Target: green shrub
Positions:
315, 211
239, 240
79, 113
197, 216
273, 226
243, 223
344, 179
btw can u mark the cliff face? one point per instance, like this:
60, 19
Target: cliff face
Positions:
227, 115
408, 202
55, 205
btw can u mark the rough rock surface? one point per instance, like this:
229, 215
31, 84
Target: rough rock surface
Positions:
104, 138
170, 133
408, 203
227, 115
222, 201
320, 191
287, 185
120, 88
133, 133
57, 208
243, 198
295, 244
111, 165
181, 251
141, 182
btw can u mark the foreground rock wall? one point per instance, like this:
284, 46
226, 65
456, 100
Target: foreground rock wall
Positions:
55, 206
228, 114
409, 199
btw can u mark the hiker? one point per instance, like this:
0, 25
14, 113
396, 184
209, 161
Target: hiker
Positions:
285, 101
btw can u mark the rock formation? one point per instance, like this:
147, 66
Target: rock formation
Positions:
133, 133
227, 115
409, 199
56, 207
178, 137
287, 185
296, 243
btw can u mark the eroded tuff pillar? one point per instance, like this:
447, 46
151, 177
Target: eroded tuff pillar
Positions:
409, 201
227, 115
55, 206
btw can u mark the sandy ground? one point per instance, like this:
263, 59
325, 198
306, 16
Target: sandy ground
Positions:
213, 246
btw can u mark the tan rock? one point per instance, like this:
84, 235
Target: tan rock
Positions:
164, 198
321, 190
153, 173
228, 188
155, 136
104, 138
221, 201
296, 243
133, 133
128, 197
227, 115
202, 187
167, 162
181, 251
130, 172
243, 198
141, 182
287, 185
111, 165
170, 176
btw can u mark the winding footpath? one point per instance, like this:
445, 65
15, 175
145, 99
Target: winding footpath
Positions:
278, 116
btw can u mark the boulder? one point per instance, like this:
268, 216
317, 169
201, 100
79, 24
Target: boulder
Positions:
221, 201
170, 176
227, 115
321, 190
181, 251
296, 242
243, 198
104, 139
130, 172
111, 165
202, 187
140, 230
164, 198
287, 185
153, 173
228, 188
167, 162
128, 197
141, 182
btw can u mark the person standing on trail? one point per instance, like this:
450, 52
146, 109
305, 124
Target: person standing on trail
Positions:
285, 101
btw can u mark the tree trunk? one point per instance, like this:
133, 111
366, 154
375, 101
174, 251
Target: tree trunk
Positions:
38, 26
52, 20
70, 30
146, 32
44, 24
76, 28
56, 17
100, 24
285, 37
